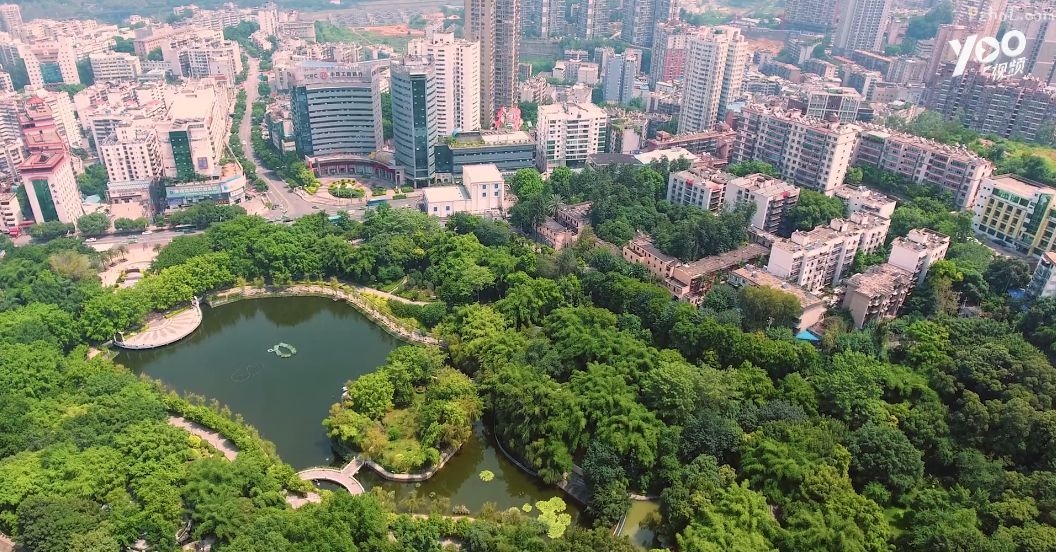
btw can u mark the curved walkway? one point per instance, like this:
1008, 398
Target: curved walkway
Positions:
219, 442
164, 330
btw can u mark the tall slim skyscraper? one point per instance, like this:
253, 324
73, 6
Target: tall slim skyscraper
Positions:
414, 117
620, 72
457, 67
862, 24
669, 51
715, 66
641, 16
11, 19
593, 19
496, 24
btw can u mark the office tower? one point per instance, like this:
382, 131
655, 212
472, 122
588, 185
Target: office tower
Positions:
11, 19
641, 16
593, 19
51, 187
811, 15
496, 25
670, 46
336, 108
806, 152
456, 64
715, 66
414, 118
568, 133
861, 25
114, 66
620, 72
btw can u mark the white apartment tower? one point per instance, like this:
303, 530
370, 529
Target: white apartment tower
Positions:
917, 251
114, 66
715, 67
771, 197
457, 75
862, 24
823, 256
133, 160
568, 133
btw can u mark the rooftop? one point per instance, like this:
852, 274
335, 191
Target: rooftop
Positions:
883, 279
481, 174
764, 185
724, 261
488, 138
670, 153
1018, 186
759, 277
43, 161
443, 194
195, 104
921, 239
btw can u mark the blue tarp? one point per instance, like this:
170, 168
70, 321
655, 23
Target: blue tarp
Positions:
807, 335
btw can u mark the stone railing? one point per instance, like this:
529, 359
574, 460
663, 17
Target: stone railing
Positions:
409, 477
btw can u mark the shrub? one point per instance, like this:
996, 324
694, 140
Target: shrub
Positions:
400, 196
379, 190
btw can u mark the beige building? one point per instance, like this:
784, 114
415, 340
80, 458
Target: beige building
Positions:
567, 134
954, 169
704, 188
1017, 213
51, 174
456, 64
496, 25
10, 211
114, 66
566, 226
806, 152
860, 198
877, 293
812, 307
133, 160
482, 192
688, 281
1042, 283
822, 257
716, 60
773, 199
917, 251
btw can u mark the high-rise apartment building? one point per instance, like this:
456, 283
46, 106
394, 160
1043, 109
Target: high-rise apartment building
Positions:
413, 88
1041, 44
703, 188
11, 19
670, 46
51, 187
822, 257
953, 169
336, 108
862, 24
568, 133
1017, 108
133, 160
496, 25
620, 72
205, 58
771, 197
1017, 213
1043, 282
543, 18
114, 66
456, 64
917, 251
641, 16
593, 20
715, 66
806, 152
981, 16
811, 15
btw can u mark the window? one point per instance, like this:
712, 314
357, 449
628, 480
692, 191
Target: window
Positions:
484, 194
447, 208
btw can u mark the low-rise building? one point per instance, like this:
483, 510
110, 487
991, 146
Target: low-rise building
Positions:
877, 293
1017, 213
712, 142
773, 199
482, 192
688, 281
566, 226
860, 198
812, 307
10, 211
1043, 283
509, 150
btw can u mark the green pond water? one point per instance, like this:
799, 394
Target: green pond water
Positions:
286, 399
641, 536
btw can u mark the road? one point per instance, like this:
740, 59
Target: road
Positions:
158, 237
291, 204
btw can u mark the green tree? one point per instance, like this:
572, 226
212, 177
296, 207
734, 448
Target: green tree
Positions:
95, 224
50, 230
371, 395
50, 524
765, 307
386, 115
814, 209
883, 454
745, 168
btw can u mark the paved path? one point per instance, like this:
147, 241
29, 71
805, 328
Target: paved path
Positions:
219, 442
163, 330
344, 476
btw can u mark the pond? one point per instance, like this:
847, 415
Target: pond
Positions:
286, 399
634, 523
